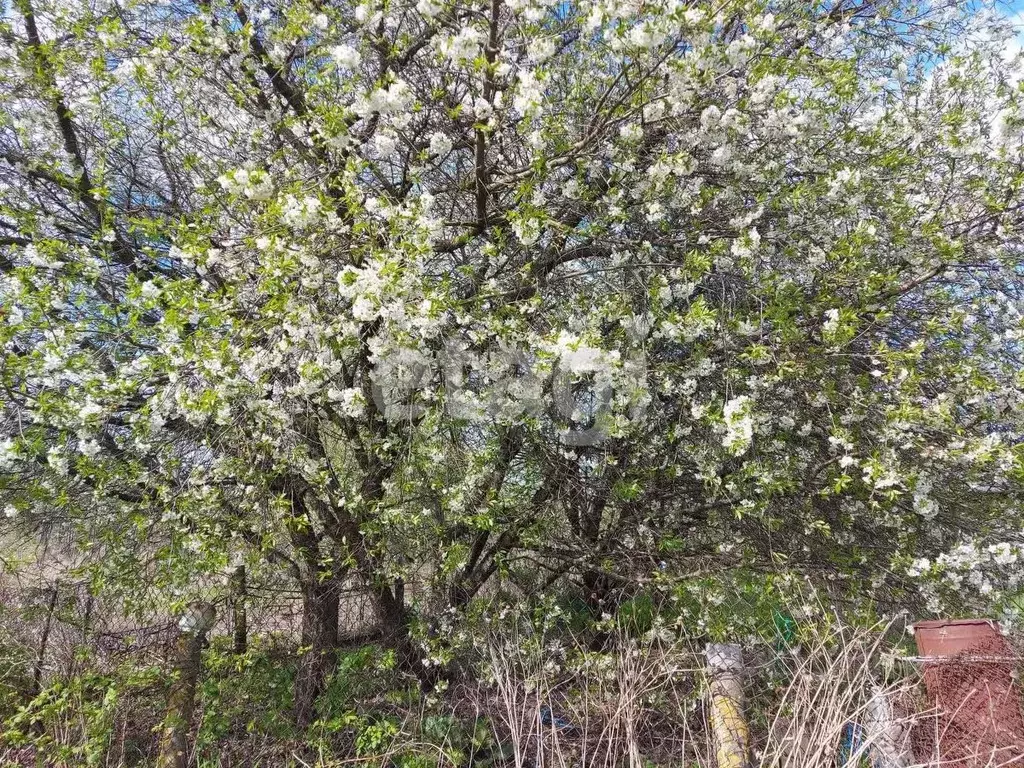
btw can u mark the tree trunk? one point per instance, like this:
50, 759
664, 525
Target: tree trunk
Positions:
319, 644
37, 667
600, 598
182, 701
239, 615
395, 621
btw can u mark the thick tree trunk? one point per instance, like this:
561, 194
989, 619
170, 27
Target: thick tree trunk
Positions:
319, 645
239, 614
394, 621
596, 592
601, 598
396, 624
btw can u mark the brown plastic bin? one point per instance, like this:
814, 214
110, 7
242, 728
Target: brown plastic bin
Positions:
978, 719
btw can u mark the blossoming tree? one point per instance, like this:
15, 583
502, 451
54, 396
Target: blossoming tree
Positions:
686, 294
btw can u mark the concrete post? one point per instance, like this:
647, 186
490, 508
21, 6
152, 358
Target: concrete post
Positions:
887, 737
732, 735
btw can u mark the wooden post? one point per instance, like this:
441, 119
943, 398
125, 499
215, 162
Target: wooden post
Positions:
732, 735
181, 703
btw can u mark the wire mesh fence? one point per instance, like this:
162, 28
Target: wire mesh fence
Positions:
639, 701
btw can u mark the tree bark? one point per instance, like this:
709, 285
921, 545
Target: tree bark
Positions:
239, 614
181, 703
37, 668
44, 639
395, 620
319, 646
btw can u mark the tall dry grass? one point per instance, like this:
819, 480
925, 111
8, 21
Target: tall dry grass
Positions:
644, 702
